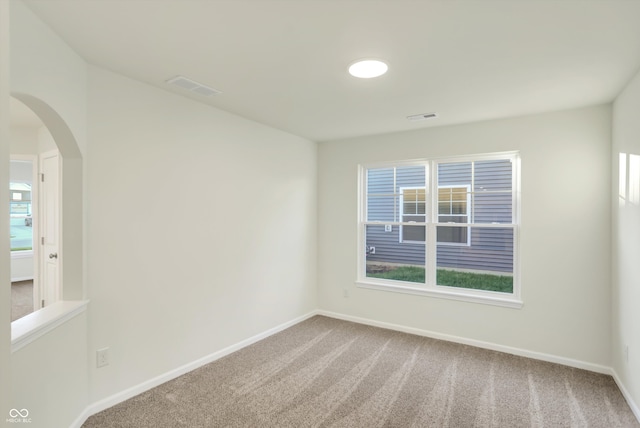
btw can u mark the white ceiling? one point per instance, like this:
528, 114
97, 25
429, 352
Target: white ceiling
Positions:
284, 62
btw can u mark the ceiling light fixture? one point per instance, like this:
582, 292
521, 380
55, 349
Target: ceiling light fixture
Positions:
368, 68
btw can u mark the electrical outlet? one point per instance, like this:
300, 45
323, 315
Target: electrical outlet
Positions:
345, 292
102, 357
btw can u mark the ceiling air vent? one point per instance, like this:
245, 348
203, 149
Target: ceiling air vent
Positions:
423, 116
193, 86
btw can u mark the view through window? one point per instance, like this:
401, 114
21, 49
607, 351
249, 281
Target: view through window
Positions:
441, 224
21, 221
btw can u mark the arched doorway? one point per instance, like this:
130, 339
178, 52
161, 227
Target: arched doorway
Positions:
56, 205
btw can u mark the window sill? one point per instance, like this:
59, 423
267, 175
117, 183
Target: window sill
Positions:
24, 254
486, 297
30, 327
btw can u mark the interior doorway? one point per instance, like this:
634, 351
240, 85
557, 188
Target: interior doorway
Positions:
31, 147
22, 203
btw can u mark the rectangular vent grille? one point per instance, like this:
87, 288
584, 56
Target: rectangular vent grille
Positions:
193, 86
423, 116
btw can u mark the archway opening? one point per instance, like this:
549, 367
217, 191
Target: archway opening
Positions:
37, 135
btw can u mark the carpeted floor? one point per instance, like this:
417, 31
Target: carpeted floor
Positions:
21, 299
330, 373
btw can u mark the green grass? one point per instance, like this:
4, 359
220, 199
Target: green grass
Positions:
403, 273
450, 278
21, 249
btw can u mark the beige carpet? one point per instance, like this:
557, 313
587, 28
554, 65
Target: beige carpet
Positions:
329, 373
21, 299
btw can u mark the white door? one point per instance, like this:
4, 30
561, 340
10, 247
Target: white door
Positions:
50, 228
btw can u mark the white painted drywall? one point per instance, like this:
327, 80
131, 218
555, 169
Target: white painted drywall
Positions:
201, 233
5, 288
626, 243
23, 141
44, 371
565, 238
46, 69
21, 266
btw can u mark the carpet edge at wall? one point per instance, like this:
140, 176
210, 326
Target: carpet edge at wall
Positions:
172, 374
128, 393
597, 368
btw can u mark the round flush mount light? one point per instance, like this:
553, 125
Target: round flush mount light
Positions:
368, 68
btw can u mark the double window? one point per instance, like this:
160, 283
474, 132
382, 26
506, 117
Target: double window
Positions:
443, 226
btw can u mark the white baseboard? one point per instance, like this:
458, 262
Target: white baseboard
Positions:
152, 383
105, 403
625, 393
494, 347
472, 342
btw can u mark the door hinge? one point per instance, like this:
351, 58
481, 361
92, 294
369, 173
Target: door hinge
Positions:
42, 178
42, 240
43, 303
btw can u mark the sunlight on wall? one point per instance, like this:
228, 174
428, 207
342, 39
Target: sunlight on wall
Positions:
629, 179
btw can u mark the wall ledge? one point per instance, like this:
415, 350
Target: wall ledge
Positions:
35, 325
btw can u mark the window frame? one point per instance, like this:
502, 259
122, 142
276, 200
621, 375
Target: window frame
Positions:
401, 215
468, 213
430, 288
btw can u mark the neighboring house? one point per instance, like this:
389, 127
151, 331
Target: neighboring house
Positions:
468, 192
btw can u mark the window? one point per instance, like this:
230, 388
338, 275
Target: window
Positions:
20, 215
413, 210
453, 207
445, 227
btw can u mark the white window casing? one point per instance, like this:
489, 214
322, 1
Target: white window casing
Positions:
496, 254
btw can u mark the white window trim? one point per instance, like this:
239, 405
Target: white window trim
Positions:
437, 215
401, 215
512, 300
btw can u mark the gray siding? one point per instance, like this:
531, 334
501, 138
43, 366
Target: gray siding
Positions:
386, 207
390, 250
490, 248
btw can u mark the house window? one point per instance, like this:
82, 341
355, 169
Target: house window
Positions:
413, 210
453, 207
21, 226
445, 227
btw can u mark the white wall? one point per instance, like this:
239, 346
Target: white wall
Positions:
565, 260
23, 141
5, 289
31, 141
43, 66
626, 243
45, 371
21, 267
202, 230
47, 70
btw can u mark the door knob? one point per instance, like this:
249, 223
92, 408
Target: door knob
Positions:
53, 255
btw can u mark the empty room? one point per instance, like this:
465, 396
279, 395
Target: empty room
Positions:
310, 213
